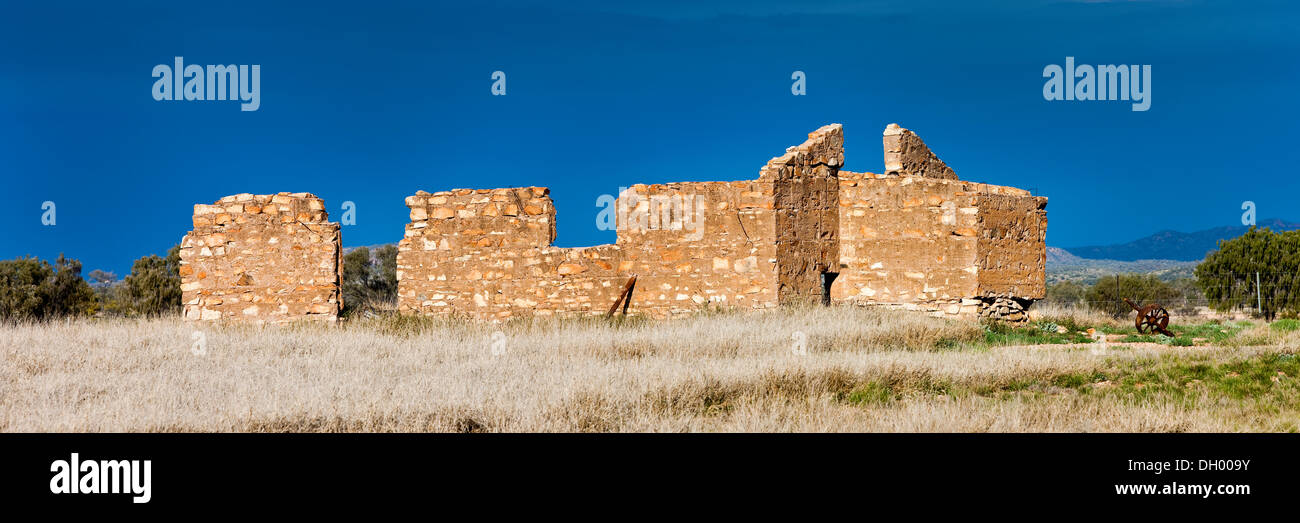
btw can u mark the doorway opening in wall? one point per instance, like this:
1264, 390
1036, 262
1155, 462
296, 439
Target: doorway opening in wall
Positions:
827, 279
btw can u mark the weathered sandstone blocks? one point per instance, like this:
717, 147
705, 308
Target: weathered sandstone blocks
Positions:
1012, 247
905, 240
906, 154
463, 219
725, 257
262, 258
1004, 308
807, 213
745, 244
913, 239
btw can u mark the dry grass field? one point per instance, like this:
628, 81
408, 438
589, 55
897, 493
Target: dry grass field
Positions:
863, 370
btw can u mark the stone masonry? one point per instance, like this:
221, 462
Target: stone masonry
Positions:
919, 238
262, 258
915, 237
751, 244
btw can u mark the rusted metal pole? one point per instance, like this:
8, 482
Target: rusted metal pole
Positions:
627, 289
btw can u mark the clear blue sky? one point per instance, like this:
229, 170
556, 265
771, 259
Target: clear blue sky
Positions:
371, 101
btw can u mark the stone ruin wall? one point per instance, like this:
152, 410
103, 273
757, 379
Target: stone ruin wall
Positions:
692, 245
905, 153
919, 238
916, 237
262, 258
487, 253
1011, 252
807, 200
456, 261
724, 254
908, 241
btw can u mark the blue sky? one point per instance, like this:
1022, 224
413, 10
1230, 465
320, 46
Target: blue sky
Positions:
369, 102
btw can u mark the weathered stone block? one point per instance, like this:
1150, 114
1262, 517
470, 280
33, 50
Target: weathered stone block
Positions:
274, 258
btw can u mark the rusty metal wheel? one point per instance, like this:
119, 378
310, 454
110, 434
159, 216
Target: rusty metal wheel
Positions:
1152, 319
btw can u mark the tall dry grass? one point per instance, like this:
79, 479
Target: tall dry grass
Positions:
864, 370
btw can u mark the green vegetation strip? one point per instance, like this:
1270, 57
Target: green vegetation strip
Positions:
1265, 385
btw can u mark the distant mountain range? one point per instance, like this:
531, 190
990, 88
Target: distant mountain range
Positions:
1174, 245
1062, 266
1168, 254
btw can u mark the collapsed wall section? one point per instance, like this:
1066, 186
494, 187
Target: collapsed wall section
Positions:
487, 254
751, 244
917, 237
468, 252
907, 155
262, 258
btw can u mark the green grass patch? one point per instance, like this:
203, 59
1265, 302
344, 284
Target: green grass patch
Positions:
1285, 325
870, 393
1214, 331
1110, 329
882, 392
1265, 384
1000, 333
1256, 378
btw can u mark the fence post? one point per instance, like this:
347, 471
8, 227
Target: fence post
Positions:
1259, 298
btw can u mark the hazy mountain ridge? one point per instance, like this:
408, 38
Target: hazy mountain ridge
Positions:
1170, 255
1063, 266
1174, 245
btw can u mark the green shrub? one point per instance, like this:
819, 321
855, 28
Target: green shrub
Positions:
1108, 294
369, 278
154, 286
32, 289
1065, 294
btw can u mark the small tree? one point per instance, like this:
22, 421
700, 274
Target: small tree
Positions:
68, 294
98, 277
30, 289
1229, 275
369, 277
154, 286
1108, 293
20, 288
1066, 293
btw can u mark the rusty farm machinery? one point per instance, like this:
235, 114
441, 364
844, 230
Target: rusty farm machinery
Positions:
1150, 318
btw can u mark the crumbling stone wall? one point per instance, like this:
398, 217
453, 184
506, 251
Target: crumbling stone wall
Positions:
262, 258
728, 257
919, 238
907, 155
753, 244
1011, 253
806, 201
915, 237
487, 253
908, 241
